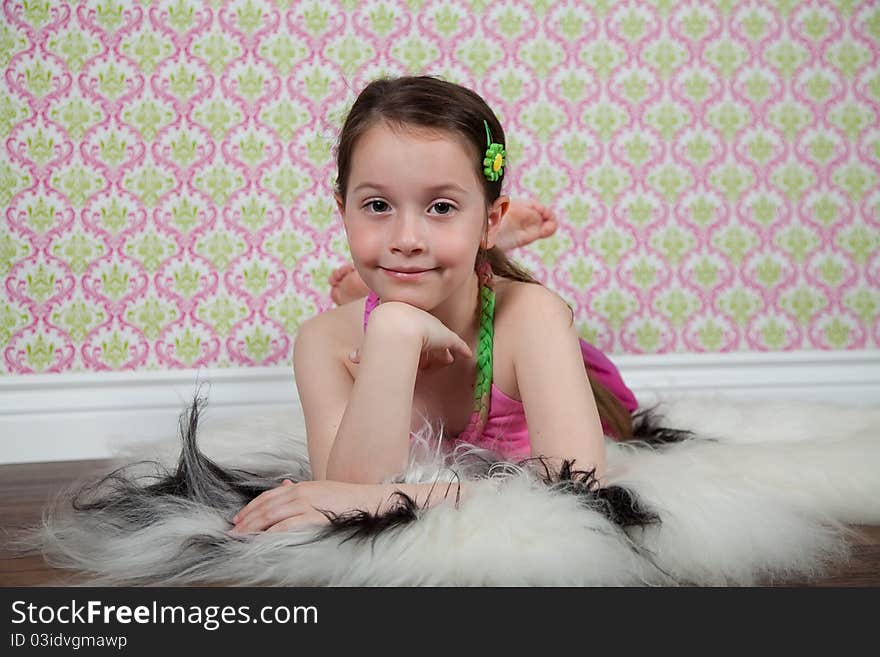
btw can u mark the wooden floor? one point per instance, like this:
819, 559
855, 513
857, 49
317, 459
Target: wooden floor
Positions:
25, 488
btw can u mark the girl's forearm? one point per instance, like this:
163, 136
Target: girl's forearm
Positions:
372, 442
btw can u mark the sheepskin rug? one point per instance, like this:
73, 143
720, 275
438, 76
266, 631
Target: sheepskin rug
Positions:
759, 492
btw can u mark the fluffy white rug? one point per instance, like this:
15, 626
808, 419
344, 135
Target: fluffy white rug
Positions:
761, 492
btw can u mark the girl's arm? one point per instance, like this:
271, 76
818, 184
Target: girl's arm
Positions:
293, 506
372, 442
560, 408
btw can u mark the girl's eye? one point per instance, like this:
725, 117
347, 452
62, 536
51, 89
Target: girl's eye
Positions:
377, 206
442, 207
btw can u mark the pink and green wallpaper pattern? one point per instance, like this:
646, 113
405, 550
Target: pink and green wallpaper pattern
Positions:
165, 167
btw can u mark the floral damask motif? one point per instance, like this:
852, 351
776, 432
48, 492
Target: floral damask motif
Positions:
167, 167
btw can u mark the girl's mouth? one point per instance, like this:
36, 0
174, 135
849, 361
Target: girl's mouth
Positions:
403, 276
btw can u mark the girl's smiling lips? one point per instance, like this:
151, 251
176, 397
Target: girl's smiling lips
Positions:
406, 276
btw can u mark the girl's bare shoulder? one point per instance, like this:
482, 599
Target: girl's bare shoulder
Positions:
342, 326
512, 300
514, 297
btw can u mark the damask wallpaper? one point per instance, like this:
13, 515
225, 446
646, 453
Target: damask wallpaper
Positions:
165, 167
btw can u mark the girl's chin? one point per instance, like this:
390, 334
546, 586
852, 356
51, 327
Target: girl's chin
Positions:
420, 292
419, 296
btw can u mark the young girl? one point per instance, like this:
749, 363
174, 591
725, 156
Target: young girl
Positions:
452, 329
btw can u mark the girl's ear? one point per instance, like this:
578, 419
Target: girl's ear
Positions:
496, 213
340, 204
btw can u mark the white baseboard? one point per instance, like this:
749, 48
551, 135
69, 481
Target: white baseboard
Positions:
57, 417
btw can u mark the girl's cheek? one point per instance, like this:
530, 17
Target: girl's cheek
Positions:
363, 244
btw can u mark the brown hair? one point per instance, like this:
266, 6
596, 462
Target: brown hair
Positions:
428, 102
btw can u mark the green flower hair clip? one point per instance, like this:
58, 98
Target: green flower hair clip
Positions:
493, 162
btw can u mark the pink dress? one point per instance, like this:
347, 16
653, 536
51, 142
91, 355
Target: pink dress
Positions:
505, 430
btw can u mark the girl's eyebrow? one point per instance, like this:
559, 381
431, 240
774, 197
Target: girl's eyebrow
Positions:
433, 189
447, 187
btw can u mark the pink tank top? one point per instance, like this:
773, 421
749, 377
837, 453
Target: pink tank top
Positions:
505, 430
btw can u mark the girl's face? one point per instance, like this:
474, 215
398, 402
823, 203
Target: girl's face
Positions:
414, 201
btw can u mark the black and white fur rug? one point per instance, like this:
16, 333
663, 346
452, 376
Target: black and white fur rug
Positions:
739, 493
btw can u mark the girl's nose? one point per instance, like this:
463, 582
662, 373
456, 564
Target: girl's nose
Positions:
407, 233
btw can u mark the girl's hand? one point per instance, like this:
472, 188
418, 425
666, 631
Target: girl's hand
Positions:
440, 346
293, 506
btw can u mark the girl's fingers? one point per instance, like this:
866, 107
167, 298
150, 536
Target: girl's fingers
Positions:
248, 508
284, 525
299, 521
261, 500
269, 516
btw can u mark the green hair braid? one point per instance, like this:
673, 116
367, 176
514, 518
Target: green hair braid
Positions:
483, 387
